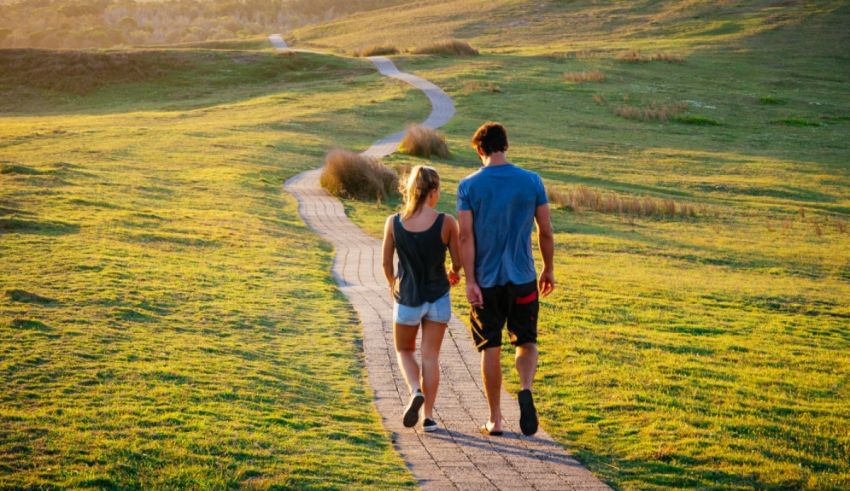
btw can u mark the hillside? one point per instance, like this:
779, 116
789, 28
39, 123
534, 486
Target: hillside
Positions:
167, 320
701, 349
551, 26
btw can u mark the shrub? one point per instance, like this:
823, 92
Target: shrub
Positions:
634, 56
454, 47
474, 86
352, 175
583, 198
377, 50
591, 76
424, 142
651, 112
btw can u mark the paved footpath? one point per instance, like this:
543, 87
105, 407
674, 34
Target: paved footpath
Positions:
456, 456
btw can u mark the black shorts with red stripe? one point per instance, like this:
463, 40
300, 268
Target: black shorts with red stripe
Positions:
518, 305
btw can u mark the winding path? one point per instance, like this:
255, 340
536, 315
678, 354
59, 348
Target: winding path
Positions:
456, 456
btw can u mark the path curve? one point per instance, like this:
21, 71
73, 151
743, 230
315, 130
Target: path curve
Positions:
456, 456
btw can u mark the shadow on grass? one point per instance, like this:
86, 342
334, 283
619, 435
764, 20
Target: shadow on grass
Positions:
93, 82
43, 227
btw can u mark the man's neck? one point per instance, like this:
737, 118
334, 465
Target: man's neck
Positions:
494, 159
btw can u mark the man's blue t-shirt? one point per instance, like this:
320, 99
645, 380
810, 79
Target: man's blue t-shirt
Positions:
503, 200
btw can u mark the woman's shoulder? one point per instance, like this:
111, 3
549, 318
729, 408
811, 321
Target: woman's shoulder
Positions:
449, 221
389, 223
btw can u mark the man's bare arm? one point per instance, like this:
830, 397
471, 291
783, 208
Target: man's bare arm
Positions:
467, 257
546, 241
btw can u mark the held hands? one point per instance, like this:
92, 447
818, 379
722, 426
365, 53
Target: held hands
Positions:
546, 283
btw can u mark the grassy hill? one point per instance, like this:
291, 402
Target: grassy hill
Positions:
706, 351
167, 320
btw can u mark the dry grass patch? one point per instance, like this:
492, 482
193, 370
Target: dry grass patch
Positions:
581, 198
634, 56
454, 47
424, 142
474, 86
352, 175
589, 76
377, 50
651, 112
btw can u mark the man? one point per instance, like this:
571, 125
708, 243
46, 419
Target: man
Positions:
497, 206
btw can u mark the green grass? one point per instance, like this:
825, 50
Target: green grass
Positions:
707, 352
167, 319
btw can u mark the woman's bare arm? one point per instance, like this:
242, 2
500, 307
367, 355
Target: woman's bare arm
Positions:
388, 251
453, 242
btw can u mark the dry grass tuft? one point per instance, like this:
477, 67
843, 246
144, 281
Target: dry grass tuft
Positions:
80, 72
474, 86
453, 47
578, 77
651, 112
583, 198
352, 175
377, 50
424, 142
634, 56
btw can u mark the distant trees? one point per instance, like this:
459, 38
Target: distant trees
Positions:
106, 23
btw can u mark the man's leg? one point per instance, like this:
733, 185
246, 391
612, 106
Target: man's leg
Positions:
491, 371
526, 364
522, 324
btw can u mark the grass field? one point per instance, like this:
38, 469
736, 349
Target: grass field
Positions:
708, 352
167, 319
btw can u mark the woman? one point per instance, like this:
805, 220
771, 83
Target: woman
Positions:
420, 290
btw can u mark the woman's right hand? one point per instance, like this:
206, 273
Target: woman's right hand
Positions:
454, 278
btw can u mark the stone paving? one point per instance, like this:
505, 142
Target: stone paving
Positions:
457, 456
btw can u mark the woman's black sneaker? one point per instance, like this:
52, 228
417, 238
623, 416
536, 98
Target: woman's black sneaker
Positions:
411, 414
429, 425
527, 413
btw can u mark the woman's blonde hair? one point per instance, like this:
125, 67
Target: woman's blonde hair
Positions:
420, 182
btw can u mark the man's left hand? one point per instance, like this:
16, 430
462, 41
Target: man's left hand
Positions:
546, 283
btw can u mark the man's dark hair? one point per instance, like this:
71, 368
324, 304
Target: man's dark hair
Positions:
490, 137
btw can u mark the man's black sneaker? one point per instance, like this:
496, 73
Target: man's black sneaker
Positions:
411, 414
429, 425
527, 413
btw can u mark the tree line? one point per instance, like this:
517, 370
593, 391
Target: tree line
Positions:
112, 23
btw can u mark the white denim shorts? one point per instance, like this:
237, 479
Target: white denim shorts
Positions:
439, 310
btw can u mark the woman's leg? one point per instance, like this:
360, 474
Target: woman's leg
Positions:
432, 340
405, 346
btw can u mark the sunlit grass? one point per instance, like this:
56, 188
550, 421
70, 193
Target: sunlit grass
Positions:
168, 320
706, 352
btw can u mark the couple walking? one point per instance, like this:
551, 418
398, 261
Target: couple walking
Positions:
491, 242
